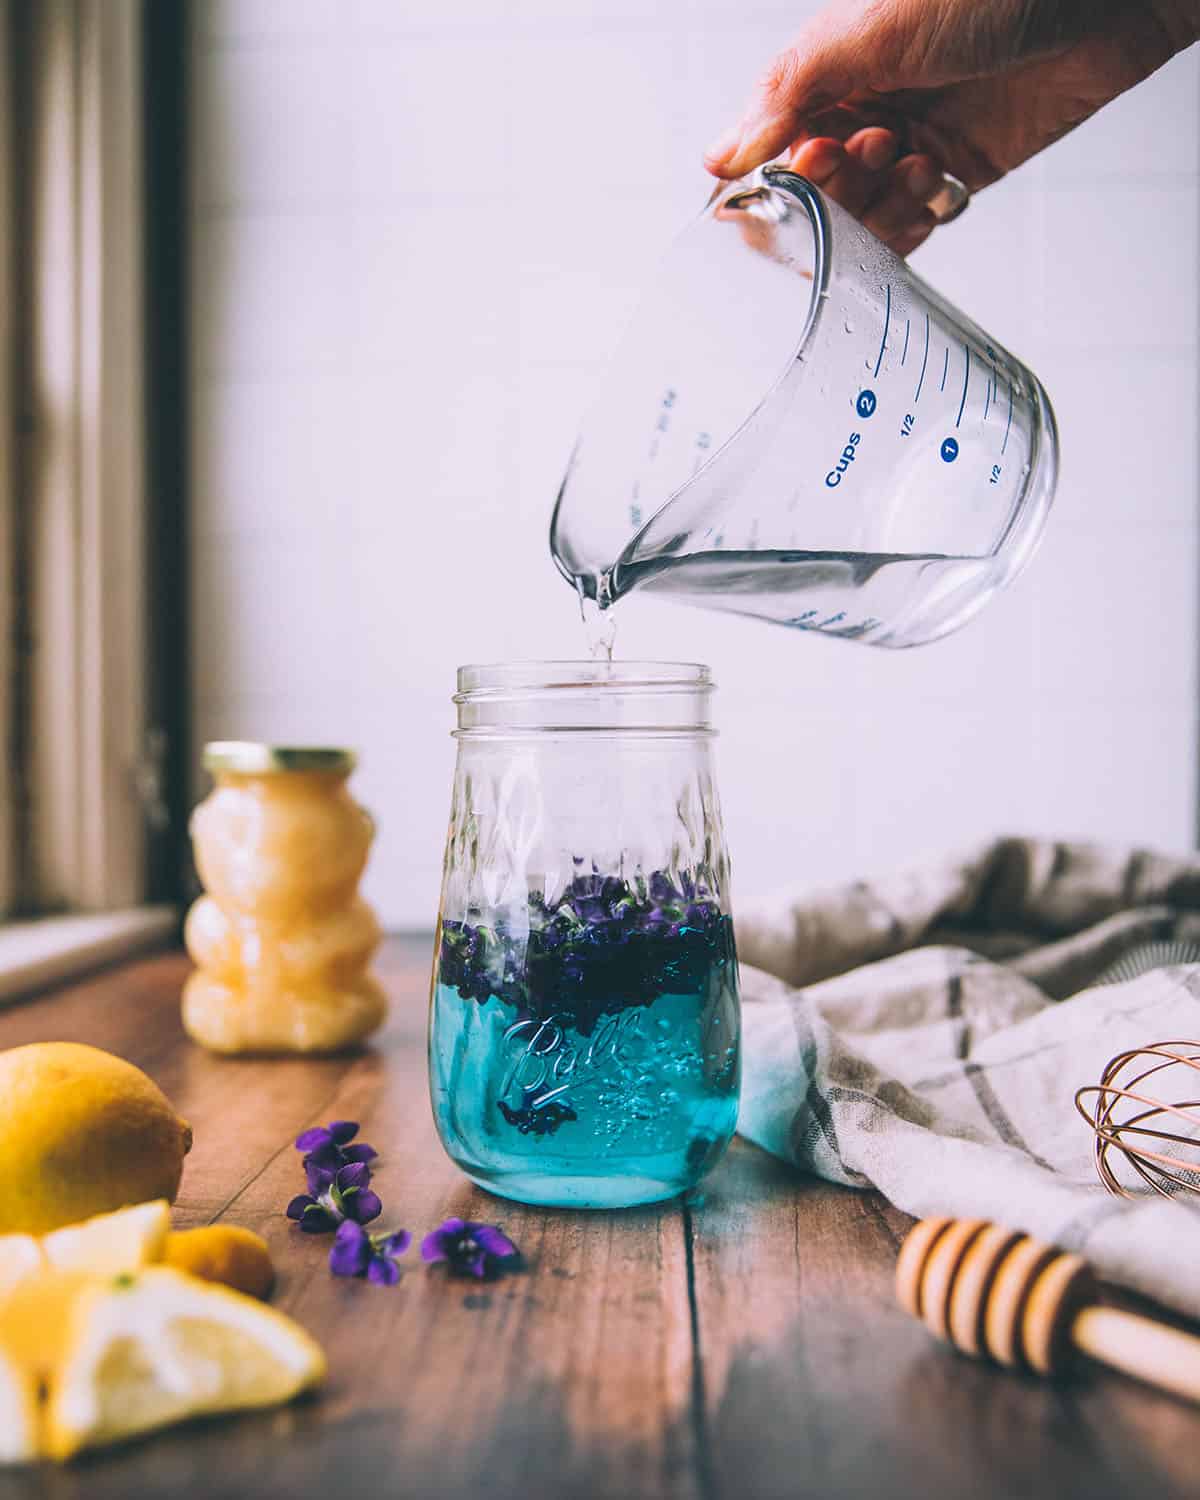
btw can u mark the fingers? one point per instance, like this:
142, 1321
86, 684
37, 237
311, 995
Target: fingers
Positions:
902, 200
747, 146
853, 173
804, 79
865, 174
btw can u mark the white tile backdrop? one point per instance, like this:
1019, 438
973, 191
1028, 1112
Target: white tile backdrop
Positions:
416, 227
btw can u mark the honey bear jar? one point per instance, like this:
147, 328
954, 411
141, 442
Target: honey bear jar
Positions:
281, 940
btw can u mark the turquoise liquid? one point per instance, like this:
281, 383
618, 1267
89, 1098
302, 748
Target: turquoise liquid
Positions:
636, 1110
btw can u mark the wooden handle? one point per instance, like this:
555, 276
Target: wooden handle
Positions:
997, 1294
1147, 1350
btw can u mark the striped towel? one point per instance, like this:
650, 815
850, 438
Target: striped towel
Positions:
924, 1035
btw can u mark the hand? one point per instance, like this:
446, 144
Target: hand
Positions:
876, 100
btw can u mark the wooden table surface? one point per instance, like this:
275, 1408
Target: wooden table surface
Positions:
744, 1345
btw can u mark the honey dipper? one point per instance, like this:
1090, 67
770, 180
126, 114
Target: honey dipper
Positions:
996, 1293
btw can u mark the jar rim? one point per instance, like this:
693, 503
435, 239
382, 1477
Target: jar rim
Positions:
479, 678
252, 758
664, 699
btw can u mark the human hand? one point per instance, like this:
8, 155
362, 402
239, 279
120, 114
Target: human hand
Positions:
878, 98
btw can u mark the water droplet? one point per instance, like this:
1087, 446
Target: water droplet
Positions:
862, 265
848, 326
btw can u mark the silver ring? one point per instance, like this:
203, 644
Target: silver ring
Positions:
950, 200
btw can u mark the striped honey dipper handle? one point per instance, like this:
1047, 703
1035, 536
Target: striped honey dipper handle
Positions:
998, 1294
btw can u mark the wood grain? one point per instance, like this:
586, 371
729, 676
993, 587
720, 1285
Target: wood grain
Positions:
818, 1383
746, 1345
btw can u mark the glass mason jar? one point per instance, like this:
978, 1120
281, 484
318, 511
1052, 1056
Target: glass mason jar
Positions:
584, 1022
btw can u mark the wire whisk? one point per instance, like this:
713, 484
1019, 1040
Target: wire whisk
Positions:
1153, 1125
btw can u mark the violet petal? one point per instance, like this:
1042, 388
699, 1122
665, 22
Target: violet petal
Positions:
433, 1246
328, 1157
362, 1205
295, 1209
382, 1271
318, 1178
396, 1243
359, 1152
343, 1130
317, 1219
438, 1244
493, 1241
355, 1174
351, 1250
309, 1140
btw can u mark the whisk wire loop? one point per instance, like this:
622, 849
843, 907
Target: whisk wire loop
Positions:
1119, 1129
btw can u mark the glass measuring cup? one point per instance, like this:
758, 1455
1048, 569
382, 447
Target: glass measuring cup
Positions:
797, 427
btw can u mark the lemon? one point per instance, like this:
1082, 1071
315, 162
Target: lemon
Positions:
159, 1346
20, 1255
81, 1132
18, 1412
35, 1319
35, 1316
109, 1243
223, 1252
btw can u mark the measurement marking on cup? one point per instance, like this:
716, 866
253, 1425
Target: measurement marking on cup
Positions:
1008, 424
887, 318
904, 351
987, 398
924, 362
966, 378
945, 369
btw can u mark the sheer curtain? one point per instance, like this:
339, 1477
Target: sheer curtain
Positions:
73, 569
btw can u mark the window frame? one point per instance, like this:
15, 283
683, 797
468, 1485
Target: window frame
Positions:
81, 793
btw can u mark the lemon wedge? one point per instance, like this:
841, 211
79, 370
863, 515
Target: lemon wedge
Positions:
111, 1243
20, 1256
35, 1317
158, 1346
18, 1412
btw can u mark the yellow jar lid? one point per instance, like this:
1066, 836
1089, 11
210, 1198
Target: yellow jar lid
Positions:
249, 758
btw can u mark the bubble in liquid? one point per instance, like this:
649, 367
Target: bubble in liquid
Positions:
848, 326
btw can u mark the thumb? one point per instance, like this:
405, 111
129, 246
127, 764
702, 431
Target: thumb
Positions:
825, 65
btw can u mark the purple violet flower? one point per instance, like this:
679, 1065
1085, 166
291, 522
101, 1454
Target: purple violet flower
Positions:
470, 1249
600, 945
328, 1145
357, 1253
334, 1198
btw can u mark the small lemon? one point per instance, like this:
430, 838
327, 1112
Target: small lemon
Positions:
223, 1252
81, 1133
